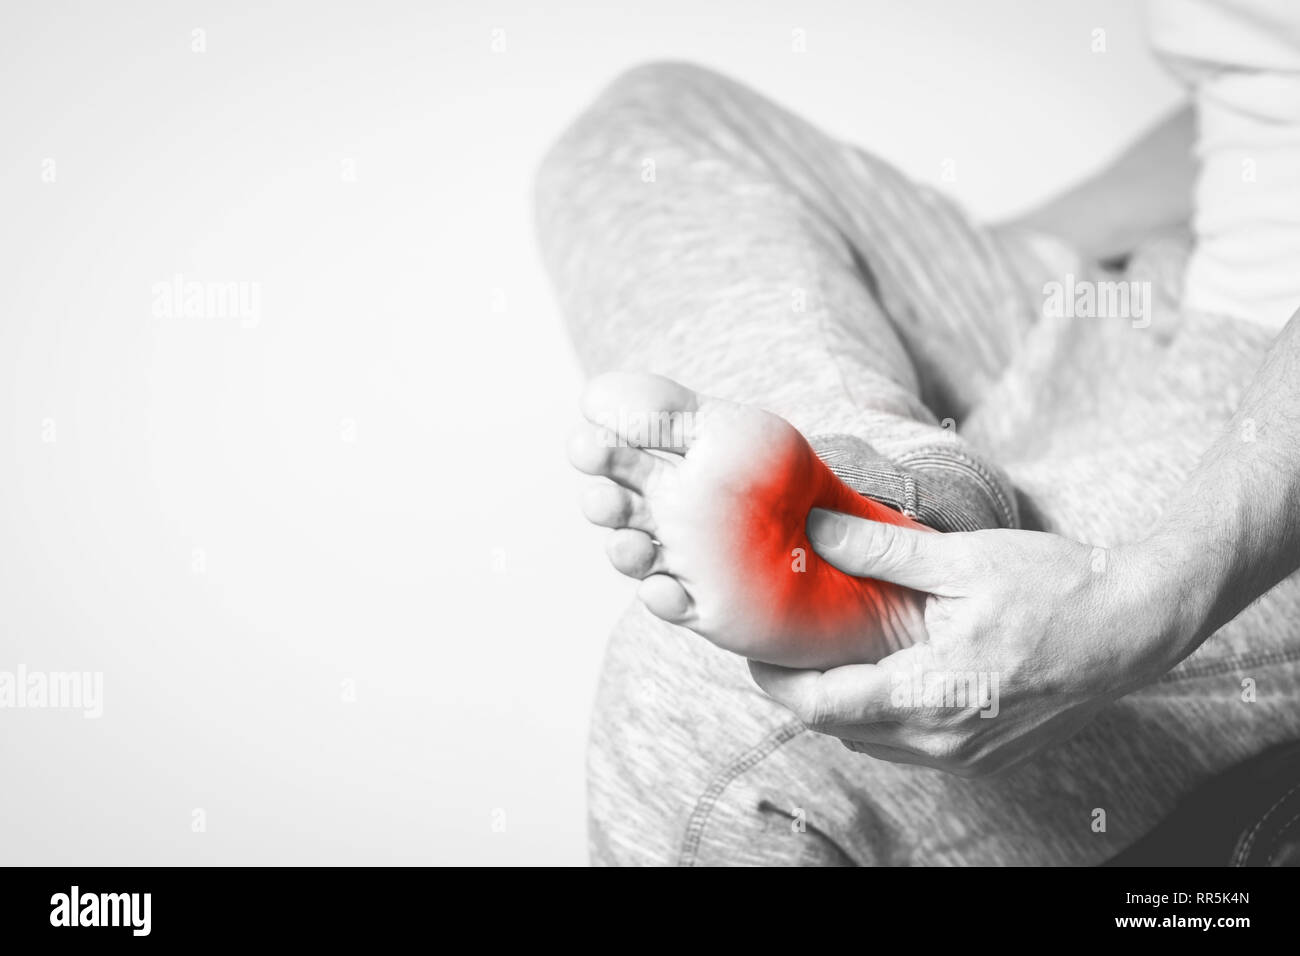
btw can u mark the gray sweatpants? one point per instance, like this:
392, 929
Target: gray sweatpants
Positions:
697, 230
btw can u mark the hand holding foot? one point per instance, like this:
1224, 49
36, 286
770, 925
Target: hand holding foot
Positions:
709, 501
1029, 635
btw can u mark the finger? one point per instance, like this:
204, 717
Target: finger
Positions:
934, 563
843, 696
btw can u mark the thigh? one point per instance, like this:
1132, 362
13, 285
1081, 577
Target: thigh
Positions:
696, 228
676, 722
689, 764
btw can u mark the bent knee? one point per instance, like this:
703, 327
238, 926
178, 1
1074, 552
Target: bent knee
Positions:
645, 108
663, 84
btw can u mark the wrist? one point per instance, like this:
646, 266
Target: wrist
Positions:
1179, 579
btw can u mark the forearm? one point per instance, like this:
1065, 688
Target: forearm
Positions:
1145, 189
1233, 530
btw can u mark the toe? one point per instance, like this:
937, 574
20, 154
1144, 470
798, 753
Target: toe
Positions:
610, 506
634, 553
665, 598
647, 411
596, 451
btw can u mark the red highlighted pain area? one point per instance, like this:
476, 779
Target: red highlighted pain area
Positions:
821, 616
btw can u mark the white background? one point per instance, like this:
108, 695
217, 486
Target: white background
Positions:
437, 561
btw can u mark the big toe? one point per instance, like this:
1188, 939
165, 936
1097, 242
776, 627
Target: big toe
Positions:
595, 450
644, 410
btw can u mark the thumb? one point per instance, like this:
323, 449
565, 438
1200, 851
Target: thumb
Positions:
922, 560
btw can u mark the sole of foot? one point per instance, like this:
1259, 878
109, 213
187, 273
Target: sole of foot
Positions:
708, 502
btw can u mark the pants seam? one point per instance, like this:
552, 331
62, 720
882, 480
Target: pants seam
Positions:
991, 484
713, 792
1281, 834
1248, 843
1262, 658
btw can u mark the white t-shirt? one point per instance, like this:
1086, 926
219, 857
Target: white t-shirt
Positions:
1241, 60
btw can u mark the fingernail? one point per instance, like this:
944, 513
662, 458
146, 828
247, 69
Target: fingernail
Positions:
826, 527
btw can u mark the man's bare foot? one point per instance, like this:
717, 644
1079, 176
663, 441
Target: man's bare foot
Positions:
709, 502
